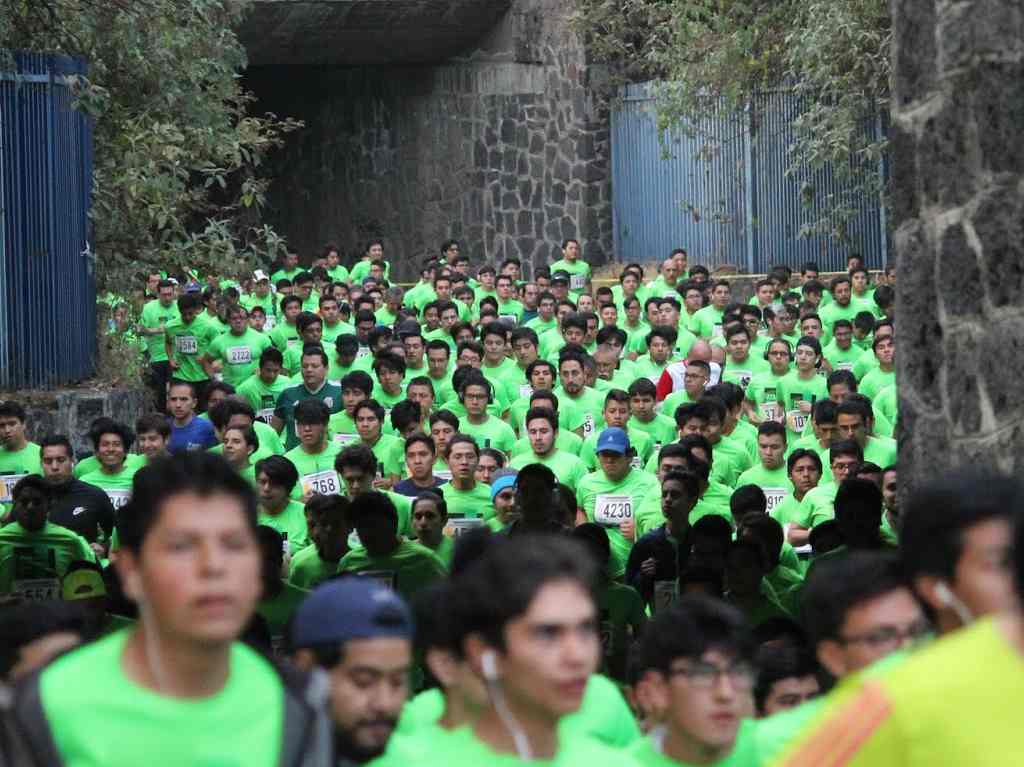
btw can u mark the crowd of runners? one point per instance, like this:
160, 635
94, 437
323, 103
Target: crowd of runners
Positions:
492, 520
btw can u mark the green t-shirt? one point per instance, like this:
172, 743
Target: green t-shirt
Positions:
188, 343
291, 523
328, 393
118, 487
461, 748
792, 389
661, 429
707, 322
621, 614
578, 271
407, 569
671, 403
85, 691
279, 609
468, 504
742, 373
539, 326
284, 336
763, 392
841, 359
308, 570
568, 468
874, 381
647, 752
154, 314
263, 396
603, 715
829, 314
316, 471
32, 563
774, 482
491, 433
610, 503
337, 274
586, 411
390, 452
791, 511
240, 355
15, 464
92, 463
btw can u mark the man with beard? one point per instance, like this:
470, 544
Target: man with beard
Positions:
360, 634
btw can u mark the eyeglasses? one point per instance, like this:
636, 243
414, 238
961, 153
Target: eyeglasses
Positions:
703, 675
890, 636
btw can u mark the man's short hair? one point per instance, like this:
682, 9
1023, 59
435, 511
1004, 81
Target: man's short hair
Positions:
839, 584
204, 474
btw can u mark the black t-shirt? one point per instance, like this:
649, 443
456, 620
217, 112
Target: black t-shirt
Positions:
410, 489
82, 507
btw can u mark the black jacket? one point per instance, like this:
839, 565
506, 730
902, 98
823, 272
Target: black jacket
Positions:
670, 559
26, 739
82, 507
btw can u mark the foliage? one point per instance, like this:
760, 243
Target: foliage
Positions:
178, 158
715, 57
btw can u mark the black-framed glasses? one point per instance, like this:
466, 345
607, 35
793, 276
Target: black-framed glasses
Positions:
890, 636
705, 675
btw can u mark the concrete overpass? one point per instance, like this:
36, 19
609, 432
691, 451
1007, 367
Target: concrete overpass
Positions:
481, 120
365, 32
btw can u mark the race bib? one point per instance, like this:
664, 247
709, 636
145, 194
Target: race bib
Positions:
525, 391
37, 589
7, 486
613, 510
446, 475
118, 498
186, 345
636, 462
292, 342
716, 331
456, 527
797, 419
508, 319
239, 355
364, 351
588, 425
775, 496
266, 414
665, 594
269, 323
744, 376
322, 482
843, 366
386, 578
344, 439
577, 281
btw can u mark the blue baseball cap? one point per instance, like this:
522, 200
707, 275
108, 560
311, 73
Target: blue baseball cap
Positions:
612, 440
350, 608
503, 481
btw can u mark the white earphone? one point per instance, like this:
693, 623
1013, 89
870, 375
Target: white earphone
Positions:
946, 596
489, 662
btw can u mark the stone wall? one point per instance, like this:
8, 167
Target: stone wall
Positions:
958, 160
71, 411
505, 148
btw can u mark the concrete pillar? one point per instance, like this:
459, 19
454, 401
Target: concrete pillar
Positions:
958, 204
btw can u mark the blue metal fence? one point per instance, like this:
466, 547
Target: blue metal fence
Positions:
724, 195
47, 284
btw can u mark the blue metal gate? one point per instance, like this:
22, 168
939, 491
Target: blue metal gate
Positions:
724, 196
47, 285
